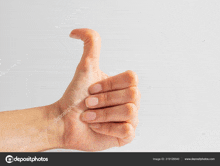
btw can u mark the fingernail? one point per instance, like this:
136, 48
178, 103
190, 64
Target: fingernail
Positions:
89, 115
95, 125
91, 101
74, 36
96, 88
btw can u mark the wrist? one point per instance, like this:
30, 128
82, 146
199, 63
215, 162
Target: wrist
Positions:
55, 126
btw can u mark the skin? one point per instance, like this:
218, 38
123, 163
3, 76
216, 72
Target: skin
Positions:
63, 124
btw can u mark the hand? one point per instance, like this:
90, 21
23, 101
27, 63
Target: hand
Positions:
116, 98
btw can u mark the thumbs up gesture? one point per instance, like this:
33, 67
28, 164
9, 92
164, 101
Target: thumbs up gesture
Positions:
97, 111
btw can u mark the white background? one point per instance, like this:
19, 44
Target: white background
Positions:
173, 46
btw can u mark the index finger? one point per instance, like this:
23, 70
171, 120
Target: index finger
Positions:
120, 81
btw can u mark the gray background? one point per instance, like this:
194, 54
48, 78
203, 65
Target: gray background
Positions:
173, 46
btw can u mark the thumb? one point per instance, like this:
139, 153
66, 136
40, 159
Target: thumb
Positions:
92, 46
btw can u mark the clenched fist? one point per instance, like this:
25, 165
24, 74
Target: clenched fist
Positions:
99, 112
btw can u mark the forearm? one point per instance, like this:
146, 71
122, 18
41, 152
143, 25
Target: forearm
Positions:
34, 129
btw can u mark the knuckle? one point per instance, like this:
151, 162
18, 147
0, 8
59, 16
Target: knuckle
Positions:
136, 122
133, 93
109, 84
127, 129
92, 35
130, 110
105, 115
110, 128
139, 93
132, 77
106, 97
